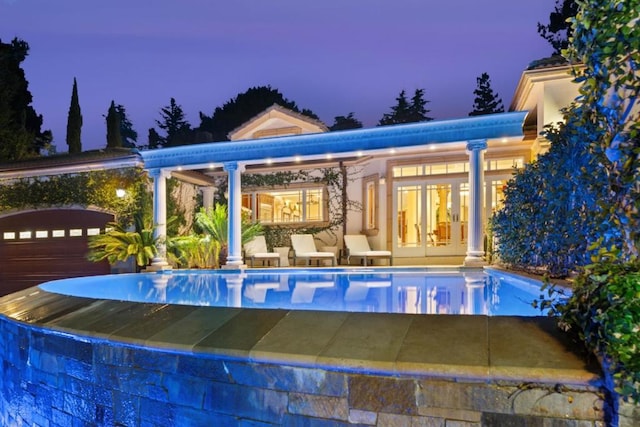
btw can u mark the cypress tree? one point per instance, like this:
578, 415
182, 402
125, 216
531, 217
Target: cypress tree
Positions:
74, 122
114, 137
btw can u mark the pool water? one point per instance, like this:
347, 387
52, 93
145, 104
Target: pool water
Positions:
410, 290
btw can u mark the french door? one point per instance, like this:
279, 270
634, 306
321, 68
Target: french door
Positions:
431, 217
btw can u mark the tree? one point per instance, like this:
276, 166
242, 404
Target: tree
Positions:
20, 125
344, 123
114, 137
486, 101
243, 107
154, 140
558, 31
74, 121
173, 123
128, 135
405, 112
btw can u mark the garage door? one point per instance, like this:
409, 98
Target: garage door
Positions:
41, 245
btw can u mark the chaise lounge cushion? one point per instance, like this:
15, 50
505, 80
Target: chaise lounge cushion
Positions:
358, 245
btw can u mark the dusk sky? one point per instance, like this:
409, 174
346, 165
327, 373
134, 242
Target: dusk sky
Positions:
332, 56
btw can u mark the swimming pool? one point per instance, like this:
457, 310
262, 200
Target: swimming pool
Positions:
379, 290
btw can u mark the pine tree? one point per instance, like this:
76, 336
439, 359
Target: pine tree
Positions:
407, 112
177, 129
486, 101
418, 110
345, 122
114, 137
399, 112
74, 122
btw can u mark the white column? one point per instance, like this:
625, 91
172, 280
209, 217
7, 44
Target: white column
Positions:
475, 245
234, 230
207, 197
160, 176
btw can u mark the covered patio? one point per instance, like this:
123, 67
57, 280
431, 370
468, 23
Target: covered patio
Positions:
234, 156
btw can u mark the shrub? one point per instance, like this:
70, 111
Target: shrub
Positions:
604, 313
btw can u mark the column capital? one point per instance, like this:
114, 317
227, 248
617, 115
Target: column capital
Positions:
159, 173
477, 144
232, 166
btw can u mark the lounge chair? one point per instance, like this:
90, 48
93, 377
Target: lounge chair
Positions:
256, 249
305, 248
358, 246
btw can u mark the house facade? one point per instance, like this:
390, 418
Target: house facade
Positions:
424, 191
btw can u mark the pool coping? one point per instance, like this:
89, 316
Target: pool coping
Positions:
509, 348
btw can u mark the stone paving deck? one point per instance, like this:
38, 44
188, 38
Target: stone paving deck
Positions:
509, 348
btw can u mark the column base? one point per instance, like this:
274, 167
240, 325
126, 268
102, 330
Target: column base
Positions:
158, 264
230, 266
475, 260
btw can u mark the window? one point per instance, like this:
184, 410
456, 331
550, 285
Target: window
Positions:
370, 204
287, 206
42, 234
75, 232
9, 235
25, 234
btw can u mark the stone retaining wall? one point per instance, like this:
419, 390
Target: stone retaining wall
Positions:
55, 379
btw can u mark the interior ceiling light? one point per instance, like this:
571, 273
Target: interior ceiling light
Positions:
359, 154
269, 161
329, 157
297, 159
392, 151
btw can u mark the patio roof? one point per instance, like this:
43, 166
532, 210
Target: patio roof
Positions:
337, 144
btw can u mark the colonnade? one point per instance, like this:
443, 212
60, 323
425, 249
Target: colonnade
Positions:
475, 245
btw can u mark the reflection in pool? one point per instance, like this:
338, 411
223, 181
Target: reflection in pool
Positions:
406, 290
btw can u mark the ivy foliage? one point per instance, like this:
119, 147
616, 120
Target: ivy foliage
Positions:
339, 204
96, 188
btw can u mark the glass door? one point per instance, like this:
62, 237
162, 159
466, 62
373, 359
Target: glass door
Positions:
431, 218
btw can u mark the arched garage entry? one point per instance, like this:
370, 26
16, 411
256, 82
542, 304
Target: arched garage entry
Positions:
48, 244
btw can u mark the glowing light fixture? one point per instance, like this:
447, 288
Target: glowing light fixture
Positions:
359, 154
297, 159
329, 157
392, 151
120, 192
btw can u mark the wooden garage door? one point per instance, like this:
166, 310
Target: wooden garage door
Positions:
41, 245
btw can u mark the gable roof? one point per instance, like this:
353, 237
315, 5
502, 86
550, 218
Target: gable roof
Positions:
277, 121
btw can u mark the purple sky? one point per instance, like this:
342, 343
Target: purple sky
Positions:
331, 56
